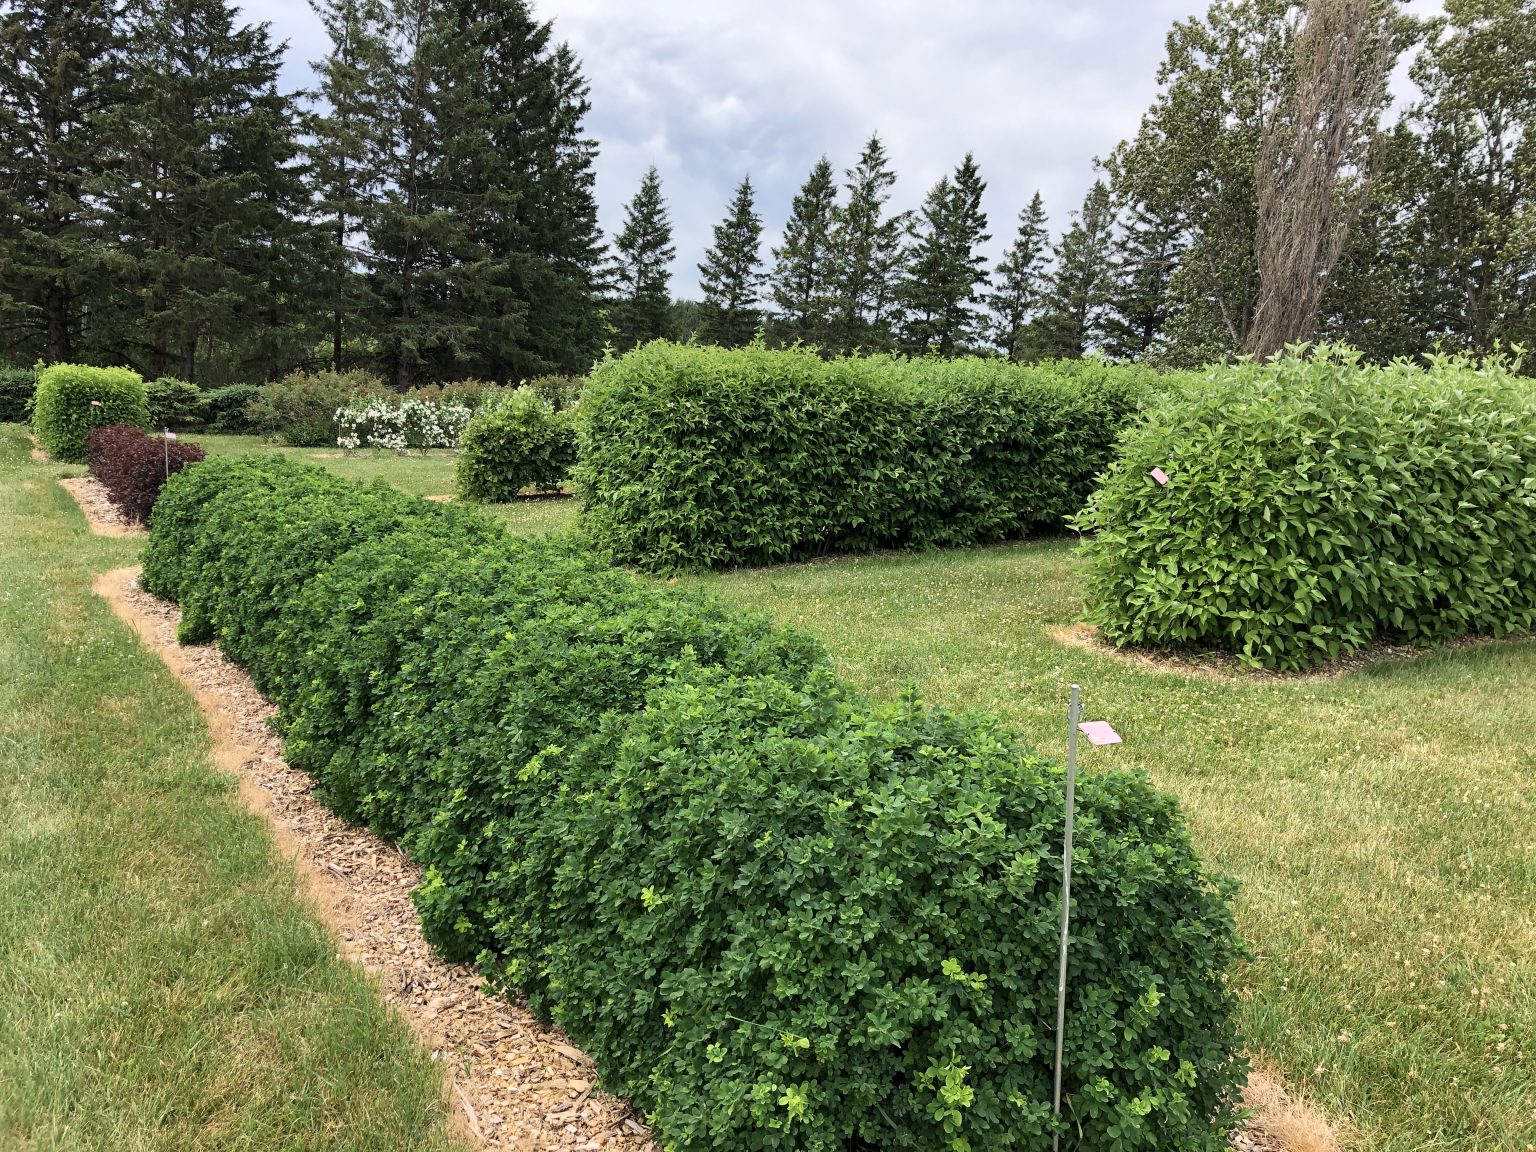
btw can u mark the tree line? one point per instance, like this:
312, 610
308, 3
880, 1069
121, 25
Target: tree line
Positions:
429, 211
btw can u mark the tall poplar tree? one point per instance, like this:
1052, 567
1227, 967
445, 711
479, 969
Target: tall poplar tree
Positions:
1020, 280
731, 275
214, 255
870, 249
947, 269
803, 273
59, 76
641, 268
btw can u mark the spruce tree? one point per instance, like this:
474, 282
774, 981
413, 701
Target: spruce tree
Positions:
731, 274
640, 272
1145, 254
802, 279
1021, 280
1079, 290
870, 249
947, 268
214, 254
344, 180
59, 75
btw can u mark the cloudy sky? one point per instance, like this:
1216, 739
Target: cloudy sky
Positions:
711, 90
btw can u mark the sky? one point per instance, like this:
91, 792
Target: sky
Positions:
710, 91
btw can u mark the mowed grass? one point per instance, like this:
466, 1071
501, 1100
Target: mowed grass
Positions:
162, 985
1382, 824
421, 474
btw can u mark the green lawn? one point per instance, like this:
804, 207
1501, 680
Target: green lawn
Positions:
430, 474
1382, 823
161, 984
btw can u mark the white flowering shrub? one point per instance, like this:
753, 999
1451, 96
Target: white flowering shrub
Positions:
400, 425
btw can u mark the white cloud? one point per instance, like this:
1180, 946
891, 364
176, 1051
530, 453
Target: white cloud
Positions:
710, 90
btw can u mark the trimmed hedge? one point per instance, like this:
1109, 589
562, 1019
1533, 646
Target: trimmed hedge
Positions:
223, 409
778, 916
74, 398
1315, 506
133, 467
514, 442
705, 458
16, 388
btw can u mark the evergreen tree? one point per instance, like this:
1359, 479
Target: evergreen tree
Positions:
345, 184
59, 62
1079, 288
947, 269
1145, 253
869, 250
802, 280
731, 274
1020, 277
643, 252
213, 252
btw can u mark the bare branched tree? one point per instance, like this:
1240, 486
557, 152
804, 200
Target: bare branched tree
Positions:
1315, 162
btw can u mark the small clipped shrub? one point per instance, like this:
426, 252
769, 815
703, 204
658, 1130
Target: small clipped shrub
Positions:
133, 467
223, 409
562, 392
1315, 506
173, 403
74, 398
16, 388
400, 425
697, 457
300, 409
779, 916
514, 442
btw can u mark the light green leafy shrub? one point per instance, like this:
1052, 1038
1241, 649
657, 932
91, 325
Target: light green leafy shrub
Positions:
1315, 506
703, 458
514, 441
72, 399
300, 409
777, 915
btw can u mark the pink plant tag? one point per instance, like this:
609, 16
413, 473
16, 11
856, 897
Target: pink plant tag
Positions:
169, 435
1159, 475
1099, 732
95, 403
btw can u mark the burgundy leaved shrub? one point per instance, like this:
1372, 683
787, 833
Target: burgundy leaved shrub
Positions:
133, 466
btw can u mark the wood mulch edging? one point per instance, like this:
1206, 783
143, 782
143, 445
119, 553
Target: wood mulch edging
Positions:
514, 1082
104, 517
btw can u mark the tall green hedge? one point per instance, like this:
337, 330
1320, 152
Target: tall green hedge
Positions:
16, 388
704, 458
778, 915
72, 399
1315, 506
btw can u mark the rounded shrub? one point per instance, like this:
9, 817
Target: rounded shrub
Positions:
223, 409
514, 441
16, 388
300, 409
1315, 506
173, 403
72, 399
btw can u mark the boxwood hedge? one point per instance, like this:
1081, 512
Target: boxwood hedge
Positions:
1315, 506
704, 457
71, 399
778, 915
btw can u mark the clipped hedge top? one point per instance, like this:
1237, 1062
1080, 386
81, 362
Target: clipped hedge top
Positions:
778, 915
71, 399
704, 457
1315, 506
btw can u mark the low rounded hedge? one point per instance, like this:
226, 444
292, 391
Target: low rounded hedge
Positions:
698, 457
300, 409
514, 441
173, 403
72, 399
1315, 506
778, 915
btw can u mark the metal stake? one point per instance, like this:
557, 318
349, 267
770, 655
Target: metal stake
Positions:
165, 436
1074, 717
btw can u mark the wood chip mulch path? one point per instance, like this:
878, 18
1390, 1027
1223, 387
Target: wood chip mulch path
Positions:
515, 1082
104, 517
